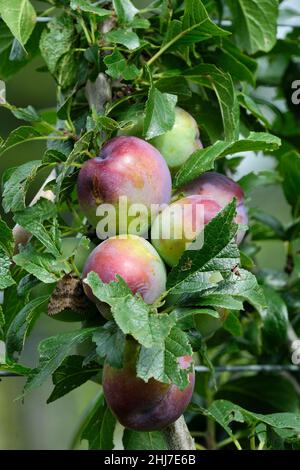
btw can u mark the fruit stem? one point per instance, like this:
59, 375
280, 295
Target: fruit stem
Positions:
252, 442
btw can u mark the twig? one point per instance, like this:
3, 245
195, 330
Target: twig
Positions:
250, 368
43, 19
178, 436
233, 369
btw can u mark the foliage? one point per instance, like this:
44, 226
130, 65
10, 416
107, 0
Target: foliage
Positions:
211, 57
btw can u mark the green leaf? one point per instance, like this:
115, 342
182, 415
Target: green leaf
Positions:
136, 440
91, 429
86, 6
197, 282
125, 10
18, 136
12, 303
212, 77
26, 283
255, 23
242, 287
15, 188
203, 160
6, 37
17, 53
175, 86
20, 17
182, 313
131, 313
256, 179
127, 38
53, 351
70, 375
216, 254
276, 321
79, 148
66, 73
117, 66
279, 394
99, 425
161, 362
6, 239
32, 219
8, 67
22, 324
108, 425
43, 266
54, 156
251, 106
290, 171
110, 343
266, 227
215, 300
233, 325
56, 41
225, 412
28, 114
159, 113
6, 279
231, 59
140, 23
196, 26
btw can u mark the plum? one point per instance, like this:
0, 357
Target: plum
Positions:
144, 406
180, 142
135, 260
128, 167
222, 189
179, 224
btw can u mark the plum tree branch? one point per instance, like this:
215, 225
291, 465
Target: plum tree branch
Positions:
178, 436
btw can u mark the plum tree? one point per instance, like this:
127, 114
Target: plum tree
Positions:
180, 142
144, 406
127, 167
179, 224
135, 260
222, 189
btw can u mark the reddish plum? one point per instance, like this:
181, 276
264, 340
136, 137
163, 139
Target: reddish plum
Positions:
127, 167
144, 406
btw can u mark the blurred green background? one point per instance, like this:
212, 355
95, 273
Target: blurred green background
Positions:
34, 424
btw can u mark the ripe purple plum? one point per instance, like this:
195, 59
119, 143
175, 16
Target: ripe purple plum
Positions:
180, 142
144, 406
135, 260
130, 168
222, 189
179, 224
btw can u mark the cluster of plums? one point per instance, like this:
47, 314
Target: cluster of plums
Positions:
141, 171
